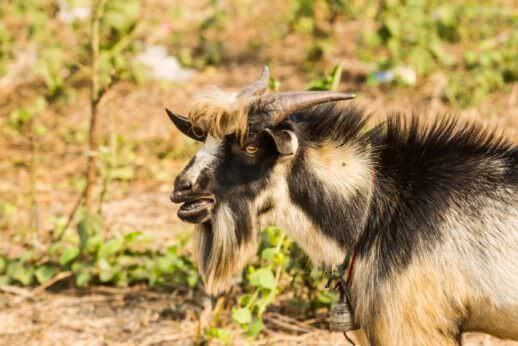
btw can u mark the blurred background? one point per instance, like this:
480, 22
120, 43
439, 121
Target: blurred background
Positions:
91, 251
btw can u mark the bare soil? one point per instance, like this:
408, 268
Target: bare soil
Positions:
141, 316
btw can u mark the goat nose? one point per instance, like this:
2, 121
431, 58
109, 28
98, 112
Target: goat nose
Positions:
183, 185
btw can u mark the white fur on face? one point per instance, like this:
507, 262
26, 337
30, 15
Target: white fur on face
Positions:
204, 158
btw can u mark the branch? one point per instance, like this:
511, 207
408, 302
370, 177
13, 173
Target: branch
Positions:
95, 97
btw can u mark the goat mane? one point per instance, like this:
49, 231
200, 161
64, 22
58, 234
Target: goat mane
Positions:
219, 113
341, 125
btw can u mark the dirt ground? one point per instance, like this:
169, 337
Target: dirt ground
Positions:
139, 316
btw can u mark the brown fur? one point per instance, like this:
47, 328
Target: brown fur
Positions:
219, 113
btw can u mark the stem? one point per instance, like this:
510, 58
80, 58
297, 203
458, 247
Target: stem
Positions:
72, 214
95, 97
110, 164
34, 214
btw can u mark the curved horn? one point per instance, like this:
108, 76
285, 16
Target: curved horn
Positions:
281, 105
184, 125
259, 87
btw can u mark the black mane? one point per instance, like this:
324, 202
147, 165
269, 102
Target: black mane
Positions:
341, 124
330, 122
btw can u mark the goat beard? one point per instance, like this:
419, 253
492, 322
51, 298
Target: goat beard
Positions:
218, 251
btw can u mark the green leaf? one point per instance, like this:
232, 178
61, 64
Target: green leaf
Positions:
106, 271
327, 297
3, 264
110, 248
84, 277
68, 255
262, 303
138, 274
4, 280
220, 334
242, 315
121, 279
90, 225
121, 14
255, 328
82, 232
263, 278
335, 77
329, 82
268, 253
192, 278
392, 25
123, 173
94, 243
131, 237
21, 273
244, 299
45, 272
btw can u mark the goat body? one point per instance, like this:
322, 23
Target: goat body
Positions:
431, 207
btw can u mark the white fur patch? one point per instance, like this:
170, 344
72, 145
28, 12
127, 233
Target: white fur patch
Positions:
204, 158
341, 168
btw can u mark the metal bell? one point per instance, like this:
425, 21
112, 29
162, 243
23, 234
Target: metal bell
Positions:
342, 318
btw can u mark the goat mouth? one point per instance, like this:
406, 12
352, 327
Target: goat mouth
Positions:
196, 211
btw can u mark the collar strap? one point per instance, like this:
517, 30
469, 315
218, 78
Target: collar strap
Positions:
351, 265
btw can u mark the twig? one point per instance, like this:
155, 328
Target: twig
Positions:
95, 97
72, 214
16, 290
24, 294
108, 167
34, 213
55, 279
288, 323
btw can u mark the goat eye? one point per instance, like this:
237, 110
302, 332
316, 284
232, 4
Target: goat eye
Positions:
250, 149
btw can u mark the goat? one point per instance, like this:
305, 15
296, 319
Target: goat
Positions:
431, 207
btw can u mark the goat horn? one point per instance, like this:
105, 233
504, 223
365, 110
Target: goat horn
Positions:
259, 87
281, 105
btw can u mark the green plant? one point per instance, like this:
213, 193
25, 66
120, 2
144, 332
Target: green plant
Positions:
423, 34
281, 267
330, 81
262, 280
91, 259
24, 122
5, 48
210, 49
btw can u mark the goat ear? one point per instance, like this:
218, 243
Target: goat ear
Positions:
184, 125
285, 141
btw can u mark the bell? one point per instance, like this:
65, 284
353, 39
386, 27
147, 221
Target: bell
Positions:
342, 318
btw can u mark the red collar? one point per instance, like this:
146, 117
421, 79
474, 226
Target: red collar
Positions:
351, 265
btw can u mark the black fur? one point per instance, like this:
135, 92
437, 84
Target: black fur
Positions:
240, 178
337, 218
